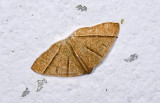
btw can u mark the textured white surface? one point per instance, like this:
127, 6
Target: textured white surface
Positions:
29, 27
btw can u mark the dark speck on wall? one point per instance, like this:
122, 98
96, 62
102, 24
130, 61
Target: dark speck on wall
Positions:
131, 58
81, 8
26, 92
40, 84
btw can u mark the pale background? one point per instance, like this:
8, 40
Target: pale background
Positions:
29, 27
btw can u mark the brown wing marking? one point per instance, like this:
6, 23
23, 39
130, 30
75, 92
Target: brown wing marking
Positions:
44, 60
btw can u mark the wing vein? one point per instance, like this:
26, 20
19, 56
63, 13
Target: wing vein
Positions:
51, 61
84, 68
93, 51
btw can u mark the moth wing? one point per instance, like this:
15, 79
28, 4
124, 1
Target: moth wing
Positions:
42, 62
91, 44
59, 60
79, 53
64, 64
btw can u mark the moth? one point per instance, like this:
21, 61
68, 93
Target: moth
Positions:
78, 54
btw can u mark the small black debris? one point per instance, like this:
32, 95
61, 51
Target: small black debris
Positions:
82, 8
26, 92
131, 58
40, 84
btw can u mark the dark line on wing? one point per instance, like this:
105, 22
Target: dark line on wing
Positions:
78, 58
56, 70
93, 36
84, 64
71, 51
51, 60
68, 67
93, 51
104, 45
50, 63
